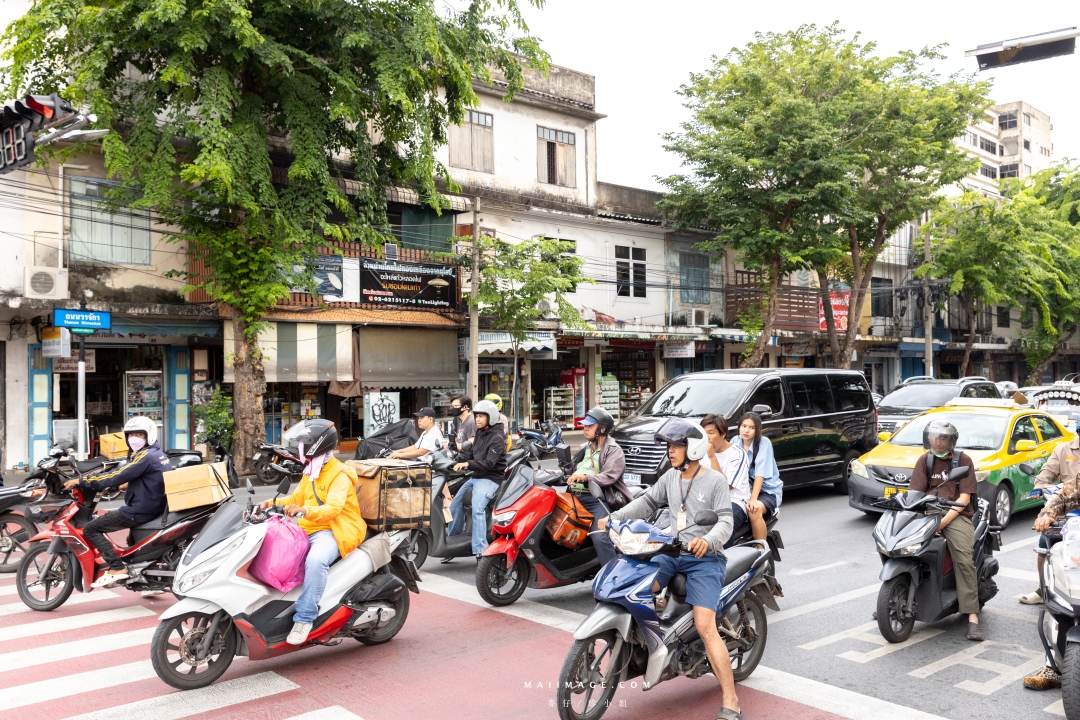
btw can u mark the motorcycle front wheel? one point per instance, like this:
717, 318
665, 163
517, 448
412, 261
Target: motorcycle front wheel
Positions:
894, 618
590, 676
43, 590
174, 651
499, 585
1070, 681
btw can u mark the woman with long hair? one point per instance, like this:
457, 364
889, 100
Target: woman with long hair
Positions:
766, 489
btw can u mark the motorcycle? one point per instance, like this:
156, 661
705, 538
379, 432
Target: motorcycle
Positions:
1059, 617
61, 559
743, 535
627, 636
918, 582
226, 613
16, 528
543, 439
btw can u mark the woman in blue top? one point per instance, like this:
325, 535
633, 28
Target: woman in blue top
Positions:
767, 490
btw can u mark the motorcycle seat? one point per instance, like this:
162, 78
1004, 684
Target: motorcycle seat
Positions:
514, 455
739, 560
168, 518
87, 466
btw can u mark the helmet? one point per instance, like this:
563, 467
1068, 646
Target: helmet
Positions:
487, 407
142, 424
940, 429
315, 438
599, 416
677, 431
495, 398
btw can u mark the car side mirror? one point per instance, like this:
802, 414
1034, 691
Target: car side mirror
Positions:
250, 489
762, 410
1025, 445
1026, 469
706, 518
958, 473
283, 486
884, 436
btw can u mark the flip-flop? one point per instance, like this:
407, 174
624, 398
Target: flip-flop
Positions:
446, 561
728, 714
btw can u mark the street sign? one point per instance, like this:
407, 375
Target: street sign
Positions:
87, 320
55, 342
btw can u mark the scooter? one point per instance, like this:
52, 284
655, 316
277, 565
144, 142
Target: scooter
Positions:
627, 636
15, 528
918, 582
226, 612
543, 439
1059, 618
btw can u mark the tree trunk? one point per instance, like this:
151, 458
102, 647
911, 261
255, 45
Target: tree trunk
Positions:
1035, 376
969, 308
249, 429
772, 307
863, 269
830, 322
513, 387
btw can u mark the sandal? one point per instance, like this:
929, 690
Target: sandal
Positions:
728, 714
446, 561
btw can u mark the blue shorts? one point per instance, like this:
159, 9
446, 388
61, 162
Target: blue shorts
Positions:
769, 501
704, 577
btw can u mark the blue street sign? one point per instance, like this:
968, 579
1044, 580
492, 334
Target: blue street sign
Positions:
88, 319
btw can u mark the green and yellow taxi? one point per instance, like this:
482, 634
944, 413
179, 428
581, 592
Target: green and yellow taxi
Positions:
998, 435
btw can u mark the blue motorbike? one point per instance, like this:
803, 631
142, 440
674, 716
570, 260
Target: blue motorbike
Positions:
542, 439
628, 636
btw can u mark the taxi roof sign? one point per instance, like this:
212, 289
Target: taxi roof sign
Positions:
984, 402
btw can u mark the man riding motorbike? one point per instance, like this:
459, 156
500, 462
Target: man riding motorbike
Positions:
599, 459
144, 499
687, 490
487, 459
931, 476
325, 501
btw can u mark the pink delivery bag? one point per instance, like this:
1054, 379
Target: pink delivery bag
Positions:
280, 561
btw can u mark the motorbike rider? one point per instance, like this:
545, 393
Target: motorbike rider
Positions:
766, 487
729, 460
931, 476
464, 425
430, 439
599, 459
687, 490
144, 498
328, 511
487, 459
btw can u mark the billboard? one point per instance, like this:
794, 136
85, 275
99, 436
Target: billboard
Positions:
407, 284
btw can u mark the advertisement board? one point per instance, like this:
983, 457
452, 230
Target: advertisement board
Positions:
839, 302
407, 284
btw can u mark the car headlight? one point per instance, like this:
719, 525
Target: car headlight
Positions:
981, 475
503, 518
857, 468
632, 543
198, 574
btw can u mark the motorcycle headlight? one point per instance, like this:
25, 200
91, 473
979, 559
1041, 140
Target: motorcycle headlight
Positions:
192, 581
48, 463
503, 518
198, 574
881, 548
910, 549
857, 468
632, 543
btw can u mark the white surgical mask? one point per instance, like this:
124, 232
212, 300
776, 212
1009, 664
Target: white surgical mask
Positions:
136, 443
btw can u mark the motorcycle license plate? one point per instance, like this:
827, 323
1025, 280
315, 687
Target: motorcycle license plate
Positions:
256, 457
890, 491
631, 478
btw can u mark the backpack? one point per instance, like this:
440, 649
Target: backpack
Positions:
930, 469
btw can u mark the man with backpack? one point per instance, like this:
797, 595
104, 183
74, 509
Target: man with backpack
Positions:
931, 476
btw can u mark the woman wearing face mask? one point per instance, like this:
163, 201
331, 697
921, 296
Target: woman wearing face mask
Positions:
143, 501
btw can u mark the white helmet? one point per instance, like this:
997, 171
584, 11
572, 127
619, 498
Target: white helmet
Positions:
486, 407
677, 431
143, 424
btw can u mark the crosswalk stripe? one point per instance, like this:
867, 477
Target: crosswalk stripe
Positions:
60, 687
75, 599
75, 649
9, 589
193, 702
335, 712
74, 622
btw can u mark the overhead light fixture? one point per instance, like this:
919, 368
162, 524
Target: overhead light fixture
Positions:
1026, 49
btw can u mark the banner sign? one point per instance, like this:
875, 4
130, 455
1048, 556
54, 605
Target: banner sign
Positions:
71, 364
329, 277
839, 302
407, 284
799, 348
678, 349
55, 342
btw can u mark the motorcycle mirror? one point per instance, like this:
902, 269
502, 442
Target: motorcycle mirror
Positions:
595, 490
250, 489
958, 474
283, 486
1026, 469
562, 453
465, 446
706, 518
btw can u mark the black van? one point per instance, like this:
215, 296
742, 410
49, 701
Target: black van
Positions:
818, 420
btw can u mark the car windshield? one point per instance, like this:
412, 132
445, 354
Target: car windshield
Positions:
695, 397
977, 432
919, 396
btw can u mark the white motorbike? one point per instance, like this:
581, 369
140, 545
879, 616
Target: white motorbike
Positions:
225, 612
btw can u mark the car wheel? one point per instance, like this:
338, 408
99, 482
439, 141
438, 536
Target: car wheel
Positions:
842, 484
1003, 504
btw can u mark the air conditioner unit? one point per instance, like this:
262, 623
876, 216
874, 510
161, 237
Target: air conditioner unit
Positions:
701, 318
390, 251
46, 283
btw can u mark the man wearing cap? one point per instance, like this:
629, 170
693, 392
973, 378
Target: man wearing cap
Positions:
430, 439
599, 460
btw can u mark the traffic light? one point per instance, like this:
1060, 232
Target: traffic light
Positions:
22, 119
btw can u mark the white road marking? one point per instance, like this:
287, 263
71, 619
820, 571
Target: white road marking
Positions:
549, 615
1016, 614
868, 633
9, 590
192, 702
1004, 674
74, 622
1057, 708
1029, 575
335, 712
74, 649
75, 599
1017, 545
799, 610
69, 685
818, 568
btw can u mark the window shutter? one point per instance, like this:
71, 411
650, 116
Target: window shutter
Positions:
483, 150
460, 155
542, 161
570, 176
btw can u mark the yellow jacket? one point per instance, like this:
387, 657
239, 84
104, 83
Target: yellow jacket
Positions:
339, 511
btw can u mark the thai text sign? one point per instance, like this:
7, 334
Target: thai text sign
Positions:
839, 302
395, 282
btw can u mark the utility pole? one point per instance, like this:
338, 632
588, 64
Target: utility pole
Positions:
474, 310
928, 315
81, 403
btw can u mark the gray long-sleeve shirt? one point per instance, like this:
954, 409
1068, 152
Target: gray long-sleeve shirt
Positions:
708, 491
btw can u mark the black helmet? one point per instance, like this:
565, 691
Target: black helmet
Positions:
940, 429
315, 438
600, 417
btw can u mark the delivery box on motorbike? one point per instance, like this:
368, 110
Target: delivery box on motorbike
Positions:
569, 522
113, 445
393, 494
196, 486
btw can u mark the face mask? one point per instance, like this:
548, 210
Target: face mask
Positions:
455, 411
941, 455
136, 443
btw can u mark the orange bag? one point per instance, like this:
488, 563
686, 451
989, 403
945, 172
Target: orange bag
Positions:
569, 522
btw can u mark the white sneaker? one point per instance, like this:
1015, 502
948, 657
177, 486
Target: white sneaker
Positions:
110, 579
299, 633
152, 593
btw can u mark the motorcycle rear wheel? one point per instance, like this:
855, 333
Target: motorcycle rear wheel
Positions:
173, 647
386, 633
498, 585
266, 474
756, 630
891, 604
57, 586
15, 534
418, 548
589, 669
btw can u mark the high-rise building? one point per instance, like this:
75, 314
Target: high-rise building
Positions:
1012, 141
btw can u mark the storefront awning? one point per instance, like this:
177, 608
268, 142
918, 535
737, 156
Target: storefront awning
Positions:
166, 328
500, 342
300, 352
738, 336
403, 357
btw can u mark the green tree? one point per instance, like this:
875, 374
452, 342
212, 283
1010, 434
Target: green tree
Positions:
994, 252
515, 278
204, 98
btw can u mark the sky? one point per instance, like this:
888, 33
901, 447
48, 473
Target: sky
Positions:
642, 52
